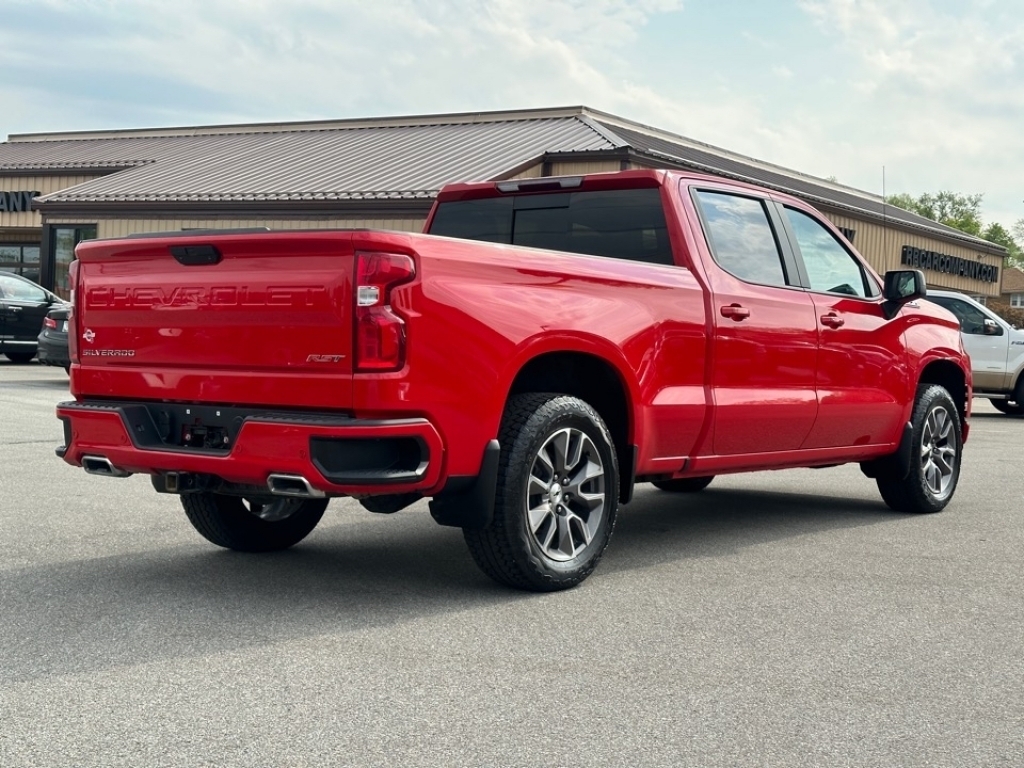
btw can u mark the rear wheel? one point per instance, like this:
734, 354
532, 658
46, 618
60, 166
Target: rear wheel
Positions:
1005, 406
684, 484
263, 525
556, 497
935, 452
19, 357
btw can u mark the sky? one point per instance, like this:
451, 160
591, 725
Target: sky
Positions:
916, 95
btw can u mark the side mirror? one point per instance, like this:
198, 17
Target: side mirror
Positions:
992, 328
901, 286
905, 285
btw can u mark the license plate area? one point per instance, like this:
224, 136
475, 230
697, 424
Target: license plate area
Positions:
199, 428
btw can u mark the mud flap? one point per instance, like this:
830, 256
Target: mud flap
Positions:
468, 502
895, 465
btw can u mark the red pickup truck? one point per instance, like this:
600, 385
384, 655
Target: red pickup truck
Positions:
547, 344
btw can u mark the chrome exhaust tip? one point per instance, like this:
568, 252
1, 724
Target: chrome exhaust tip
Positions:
101, 465
293, 485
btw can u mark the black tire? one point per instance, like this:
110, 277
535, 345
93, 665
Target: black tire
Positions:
684, 484
936, 450
234, 523
557, 461
20, 357
1005, 406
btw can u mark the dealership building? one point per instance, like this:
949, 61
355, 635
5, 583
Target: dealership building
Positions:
57, 189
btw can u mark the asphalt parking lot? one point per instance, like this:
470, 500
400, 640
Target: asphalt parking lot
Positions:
776, 619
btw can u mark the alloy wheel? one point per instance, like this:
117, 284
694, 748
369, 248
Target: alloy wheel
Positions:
565, 496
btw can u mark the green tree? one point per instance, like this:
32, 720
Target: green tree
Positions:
963, 212
1017, 231
953, 209
997, 233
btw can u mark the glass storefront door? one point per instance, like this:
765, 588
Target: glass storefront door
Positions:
63, 239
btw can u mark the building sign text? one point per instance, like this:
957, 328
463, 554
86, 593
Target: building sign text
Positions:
949, 265
17, 202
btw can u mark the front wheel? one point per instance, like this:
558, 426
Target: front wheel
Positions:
936, 450
556, 498
264, 525
20, 357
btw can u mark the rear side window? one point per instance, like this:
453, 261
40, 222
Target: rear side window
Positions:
741, 237
618, 224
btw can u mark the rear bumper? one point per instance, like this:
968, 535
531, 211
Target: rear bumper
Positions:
53, 350
336, 455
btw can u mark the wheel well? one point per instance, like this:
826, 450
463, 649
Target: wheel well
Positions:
1017, 390
951, 377
592, 380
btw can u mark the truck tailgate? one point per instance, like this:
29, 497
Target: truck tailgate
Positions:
260, 319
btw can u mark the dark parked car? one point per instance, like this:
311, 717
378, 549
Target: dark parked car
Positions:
53, 339
23, 305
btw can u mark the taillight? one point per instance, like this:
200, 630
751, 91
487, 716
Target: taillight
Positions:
379, 332
49, 322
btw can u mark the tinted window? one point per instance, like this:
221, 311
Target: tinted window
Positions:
620, 224
972, 319
489, 220
19, 290
741, 238
830, 267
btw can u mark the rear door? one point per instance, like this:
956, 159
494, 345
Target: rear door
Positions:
765, 331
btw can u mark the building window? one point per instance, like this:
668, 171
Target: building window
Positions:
1017, 299
848, 233
21, 259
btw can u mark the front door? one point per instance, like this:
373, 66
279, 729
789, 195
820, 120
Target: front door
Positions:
862, 376
23, 305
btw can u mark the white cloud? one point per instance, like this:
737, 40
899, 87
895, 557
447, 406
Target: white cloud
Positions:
932, 89
333, 57
939, 88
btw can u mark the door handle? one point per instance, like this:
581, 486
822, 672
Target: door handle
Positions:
735, 312
832, 320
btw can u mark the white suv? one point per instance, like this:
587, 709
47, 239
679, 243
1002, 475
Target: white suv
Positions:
996, 349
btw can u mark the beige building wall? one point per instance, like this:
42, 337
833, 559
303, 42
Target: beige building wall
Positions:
534, 172
44, 185
568, 169
575, 169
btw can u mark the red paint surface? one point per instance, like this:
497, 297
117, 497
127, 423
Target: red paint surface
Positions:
271, 326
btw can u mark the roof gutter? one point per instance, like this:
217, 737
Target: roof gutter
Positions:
192, 209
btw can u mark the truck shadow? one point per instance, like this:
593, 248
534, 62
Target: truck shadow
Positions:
661, 527
195, 600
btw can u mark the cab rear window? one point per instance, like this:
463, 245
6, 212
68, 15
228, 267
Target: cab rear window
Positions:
618, 224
